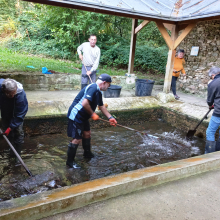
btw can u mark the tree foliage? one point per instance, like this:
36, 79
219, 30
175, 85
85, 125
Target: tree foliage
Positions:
57, 32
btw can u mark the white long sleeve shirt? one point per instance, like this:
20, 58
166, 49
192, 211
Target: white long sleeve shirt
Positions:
91, 55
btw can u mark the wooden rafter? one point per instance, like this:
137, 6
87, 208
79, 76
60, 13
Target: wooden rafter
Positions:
168, 26
165, 35
171, 43
183, 35
140, 26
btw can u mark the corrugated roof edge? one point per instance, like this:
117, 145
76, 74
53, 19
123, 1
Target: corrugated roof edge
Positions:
122, 11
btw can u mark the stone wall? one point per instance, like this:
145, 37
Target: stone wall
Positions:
206, 35
52, 82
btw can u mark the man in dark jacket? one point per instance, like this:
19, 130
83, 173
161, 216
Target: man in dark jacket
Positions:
13, 106
213, 98
83, 108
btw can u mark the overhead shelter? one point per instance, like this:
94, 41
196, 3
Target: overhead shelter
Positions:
173, 15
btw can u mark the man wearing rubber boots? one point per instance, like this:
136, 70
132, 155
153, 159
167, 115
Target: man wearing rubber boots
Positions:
13, 106
90, 58
213, 98
83, 108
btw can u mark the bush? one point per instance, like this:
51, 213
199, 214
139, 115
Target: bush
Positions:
146, 57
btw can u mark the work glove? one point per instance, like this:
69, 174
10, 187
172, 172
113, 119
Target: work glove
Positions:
211, 107
95, 117
112, 121
7, 131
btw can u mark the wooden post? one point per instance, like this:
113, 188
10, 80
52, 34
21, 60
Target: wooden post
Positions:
170, 61
132, 46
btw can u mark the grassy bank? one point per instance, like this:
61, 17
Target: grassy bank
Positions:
11, 61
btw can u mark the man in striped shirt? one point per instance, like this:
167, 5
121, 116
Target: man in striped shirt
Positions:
81, 110
90, 60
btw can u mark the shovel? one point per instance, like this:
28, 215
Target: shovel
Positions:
192, 132
131, 129
17, 155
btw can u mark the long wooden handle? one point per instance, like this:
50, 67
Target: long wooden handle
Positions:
87, 71
130, 128
17, 155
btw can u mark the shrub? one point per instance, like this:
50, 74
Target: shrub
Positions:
146, 57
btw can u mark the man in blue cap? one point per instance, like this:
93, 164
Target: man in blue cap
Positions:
83, 108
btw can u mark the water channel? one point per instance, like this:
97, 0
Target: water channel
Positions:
116, 150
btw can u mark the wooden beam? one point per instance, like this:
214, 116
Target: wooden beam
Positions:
168, 26
184, 34
169, 71
170, 61
132, 46
140, 26
165, 35
182, 26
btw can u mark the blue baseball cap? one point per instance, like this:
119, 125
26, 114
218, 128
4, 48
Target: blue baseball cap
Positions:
105, 77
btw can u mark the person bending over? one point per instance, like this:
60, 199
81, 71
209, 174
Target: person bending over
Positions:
83, 108
213, 98
13, 106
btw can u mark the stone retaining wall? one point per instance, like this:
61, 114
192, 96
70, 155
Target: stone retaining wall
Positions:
206, 36
50, 82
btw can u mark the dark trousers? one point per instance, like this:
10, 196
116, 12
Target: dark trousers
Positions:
173, 84
85, 78
16, 136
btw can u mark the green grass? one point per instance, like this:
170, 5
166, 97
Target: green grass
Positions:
17, 62
11, 61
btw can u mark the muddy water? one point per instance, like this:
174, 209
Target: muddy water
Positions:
116, 150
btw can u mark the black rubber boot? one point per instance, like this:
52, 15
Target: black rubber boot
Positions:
86, 143
83, 85
71, 153
210, 147
18, 149
217, 147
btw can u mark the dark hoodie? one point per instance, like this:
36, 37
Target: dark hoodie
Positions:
13, 109
214, 95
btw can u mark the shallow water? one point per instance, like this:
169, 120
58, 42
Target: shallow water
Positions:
116, 150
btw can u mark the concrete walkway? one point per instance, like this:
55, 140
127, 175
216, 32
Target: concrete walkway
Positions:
70, 95
196, 197
58, 102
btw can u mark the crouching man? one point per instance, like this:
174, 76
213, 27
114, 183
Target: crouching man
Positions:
83, 108
213, 98
13, 106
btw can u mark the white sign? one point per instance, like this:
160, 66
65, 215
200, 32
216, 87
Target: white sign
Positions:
194, 51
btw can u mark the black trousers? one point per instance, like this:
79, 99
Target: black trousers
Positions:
16, 136
173, 84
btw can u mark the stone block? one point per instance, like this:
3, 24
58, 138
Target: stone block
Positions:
164, 98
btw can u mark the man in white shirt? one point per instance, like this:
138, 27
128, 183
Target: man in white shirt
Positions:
90, 59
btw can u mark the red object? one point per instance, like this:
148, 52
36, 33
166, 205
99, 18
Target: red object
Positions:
7, 131
113, 122
95, 117
211, 107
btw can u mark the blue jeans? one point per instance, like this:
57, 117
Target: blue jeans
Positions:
212, 128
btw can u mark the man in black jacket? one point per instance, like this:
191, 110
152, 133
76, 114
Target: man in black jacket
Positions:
13, 106
213, 98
